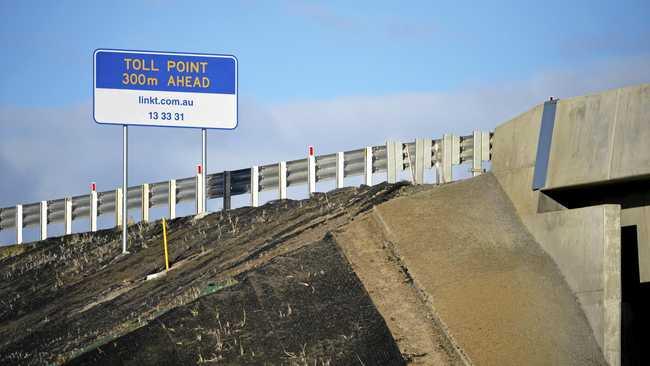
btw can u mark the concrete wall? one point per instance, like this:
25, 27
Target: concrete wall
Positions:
595, 138
601, 137
585, 244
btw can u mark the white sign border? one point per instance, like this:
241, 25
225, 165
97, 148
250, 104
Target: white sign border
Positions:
127, 123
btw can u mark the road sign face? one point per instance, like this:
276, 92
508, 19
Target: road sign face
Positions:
165, 89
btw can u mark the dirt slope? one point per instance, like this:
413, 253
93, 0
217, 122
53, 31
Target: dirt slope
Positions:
303, 308
491, 286
378, 275
67, 296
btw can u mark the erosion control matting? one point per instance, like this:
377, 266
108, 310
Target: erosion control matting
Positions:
304, 308
64, 297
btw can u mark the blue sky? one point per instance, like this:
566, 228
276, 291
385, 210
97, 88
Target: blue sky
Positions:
336, 74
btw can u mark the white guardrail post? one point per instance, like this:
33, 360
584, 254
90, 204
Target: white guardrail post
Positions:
67, 216
450, 156
340, 169
392, 162
19, 224
282, 179
255, 186
422, 158
198, 192
93, 207
311, 172
442, 154
172, 199
480, 151
367, 170
43, 220
145, 202
118, 207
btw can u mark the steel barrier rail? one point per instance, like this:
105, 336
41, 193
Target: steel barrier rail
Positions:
240, 181
268, 177
393, 157
296, 172
106, 202
7, 218
325, 167
55, 211
31, 214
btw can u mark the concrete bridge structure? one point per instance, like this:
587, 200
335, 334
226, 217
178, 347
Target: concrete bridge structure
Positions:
578, 173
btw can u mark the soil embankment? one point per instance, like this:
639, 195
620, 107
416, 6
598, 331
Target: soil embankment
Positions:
382, 275
497, 295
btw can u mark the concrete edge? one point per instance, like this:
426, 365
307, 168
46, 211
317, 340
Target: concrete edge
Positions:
421, 292
612, 284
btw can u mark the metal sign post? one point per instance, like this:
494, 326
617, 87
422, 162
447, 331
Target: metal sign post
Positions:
204, 164
164, 89
125, 184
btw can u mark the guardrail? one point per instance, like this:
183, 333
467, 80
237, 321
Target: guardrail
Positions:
392, 158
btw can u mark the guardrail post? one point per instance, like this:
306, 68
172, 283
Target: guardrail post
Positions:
19, 224
145, 202
340, 169
226, 190
67, 216
450, 156
255, 186
392, 160
367, 171
93, 211
422, 158
311, 172
199, 193
435, 160
172, 199
118, 207
43, 220
476, 154
282, 179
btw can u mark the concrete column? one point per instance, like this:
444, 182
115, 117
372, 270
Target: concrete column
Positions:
118, 207
145, 202
282, 179
367, 171
67, 216
172, 199
255, 186
19, 224
311, 174
93, 211
43, 220
340, 169
393, 160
